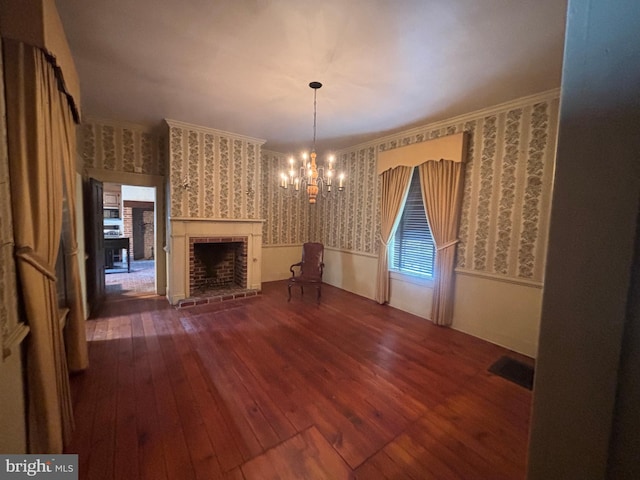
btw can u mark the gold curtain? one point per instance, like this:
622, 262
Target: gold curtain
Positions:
441, 185
41, 145
394, 189
75, 331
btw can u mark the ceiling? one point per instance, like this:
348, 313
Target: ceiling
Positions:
244, 66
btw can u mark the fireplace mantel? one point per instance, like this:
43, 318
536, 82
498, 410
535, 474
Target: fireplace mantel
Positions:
182, 229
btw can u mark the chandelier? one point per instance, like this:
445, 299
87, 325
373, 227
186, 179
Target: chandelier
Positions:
309, 176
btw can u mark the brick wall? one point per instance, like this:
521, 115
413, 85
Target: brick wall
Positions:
127, 221
148, 219
138, 225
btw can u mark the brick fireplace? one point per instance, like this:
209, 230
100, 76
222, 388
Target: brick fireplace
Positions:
217, 264
188, 235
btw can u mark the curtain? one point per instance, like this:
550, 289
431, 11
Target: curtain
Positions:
41, 142
441, 184
75, 331
394, 188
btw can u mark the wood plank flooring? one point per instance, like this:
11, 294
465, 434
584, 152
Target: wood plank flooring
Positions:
262, 388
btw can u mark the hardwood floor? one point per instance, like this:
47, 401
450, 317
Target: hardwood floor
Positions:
262, 388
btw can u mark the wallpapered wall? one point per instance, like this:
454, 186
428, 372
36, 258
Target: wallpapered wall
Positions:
121, 148
8, 295
292, 220
506, 199
350, 220
213, 174
507, 189
286, 211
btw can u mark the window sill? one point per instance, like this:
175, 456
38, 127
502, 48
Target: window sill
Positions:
413, 279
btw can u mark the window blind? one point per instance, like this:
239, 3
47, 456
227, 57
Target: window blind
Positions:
413, 250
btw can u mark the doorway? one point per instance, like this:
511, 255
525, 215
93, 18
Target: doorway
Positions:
129, 214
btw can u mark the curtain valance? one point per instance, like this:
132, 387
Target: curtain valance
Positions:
451, 147
37, 23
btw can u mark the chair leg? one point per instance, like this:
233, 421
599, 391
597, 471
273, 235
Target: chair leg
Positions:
318, 293
301, 289
289, 288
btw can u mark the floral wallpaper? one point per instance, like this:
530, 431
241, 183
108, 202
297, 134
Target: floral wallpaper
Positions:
535, 176
213, 174
349, 220
463, 230
121, 148
483, 213
8, 292
286, 212
507, 191
508, 199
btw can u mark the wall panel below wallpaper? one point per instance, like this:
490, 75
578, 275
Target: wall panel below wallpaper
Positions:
507, 314
495, 309
276, 260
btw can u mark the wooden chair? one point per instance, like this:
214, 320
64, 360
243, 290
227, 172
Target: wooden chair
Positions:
311, 268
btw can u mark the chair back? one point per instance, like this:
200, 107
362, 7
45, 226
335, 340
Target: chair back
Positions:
312, 260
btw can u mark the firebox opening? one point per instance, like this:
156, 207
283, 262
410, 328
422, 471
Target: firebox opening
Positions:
218, 266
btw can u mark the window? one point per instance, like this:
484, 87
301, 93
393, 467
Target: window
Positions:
412, 250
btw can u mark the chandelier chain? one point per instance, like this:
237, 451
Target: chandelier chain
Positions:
315, 91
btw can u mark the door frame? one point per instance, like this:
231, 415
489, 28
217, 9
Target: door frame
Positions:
143, 180
94, 244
